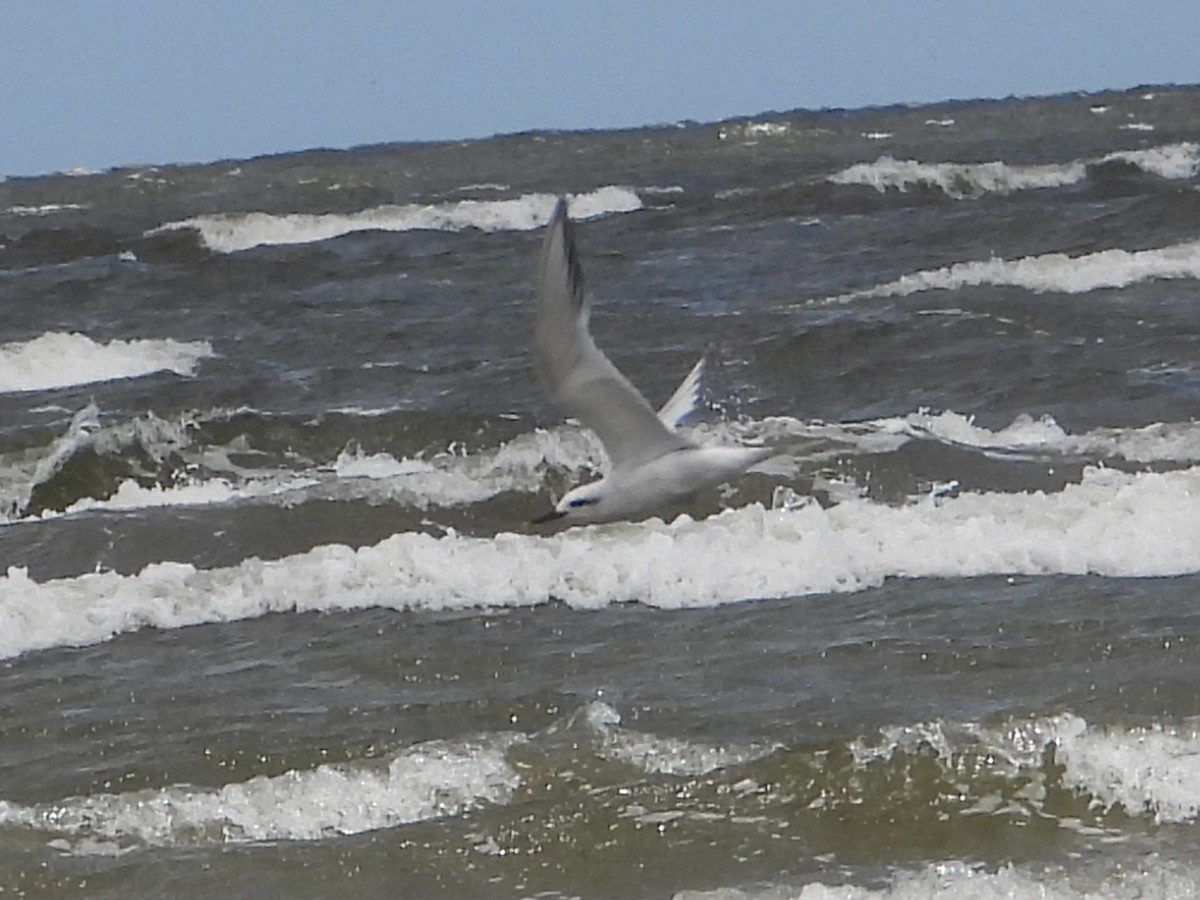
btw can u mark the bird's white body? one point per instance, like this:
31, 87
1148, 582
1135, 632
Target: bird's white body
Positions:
652, 465
659, 484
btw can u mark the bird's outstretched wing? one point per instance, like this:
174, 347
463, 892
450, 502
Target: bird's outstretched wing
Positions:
580, 378
685, 399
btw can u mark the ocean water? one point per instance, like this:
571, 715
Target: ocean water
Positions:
271, 622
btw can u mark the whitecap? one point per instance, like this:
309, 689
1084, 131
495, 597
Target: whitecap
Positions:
1112, 523
1149, 770
233, 232
57, 359
1157, 442
1174, 162
960, 880
1050, 272
427, 781
958, 179
975, 179
46, 209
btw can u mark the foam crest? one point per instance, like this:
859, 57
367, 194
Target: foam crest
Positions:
654, 753
1149, 770
1158, 442
18, 478
427, 781
1175, 162
232, 232
130, 495
751, 132
1055, 272
959, 180
1112, 524
46, 209
445, 479
960, 880
148, 437
962, 180
1153, 770
56, 359
449, 479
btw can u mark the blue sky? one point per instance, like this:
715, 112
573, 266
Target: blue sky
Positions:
99, 83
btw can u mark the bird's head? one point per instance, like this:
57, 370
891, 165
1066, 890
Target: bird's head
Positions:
578, 505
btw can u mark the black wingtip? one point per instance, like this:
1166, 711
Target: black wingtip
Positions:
560, 220
559, 245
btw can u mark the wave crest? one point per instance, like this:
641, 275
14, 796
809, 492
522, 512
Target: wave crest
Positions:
56, 359
1049, 272
964, 180
1112, 523
233, 232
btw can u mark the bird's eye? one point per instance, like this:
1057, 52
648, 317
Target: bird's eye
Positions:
582, 501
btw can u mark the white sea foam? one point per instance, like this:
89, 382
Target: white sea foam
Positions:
444, 480
130, 495
46, 209
232, 232
751, 132
1152, 771
1149, 770
1143, 770
764, 129
1155, 879
21, 472
655, 753
1158, 442
426, 781
20, 475
1170, 161
450, 479
523, 464
1055, 272
430, 780
57, 359
1112, 524
960, 180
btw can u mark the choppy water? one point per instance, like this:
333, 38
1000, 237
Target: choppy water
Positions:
270, 621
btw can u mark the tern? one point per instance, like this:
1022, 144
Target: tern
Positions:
651, 465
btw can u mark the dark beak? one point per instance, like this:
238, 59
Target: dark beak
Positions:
548, 517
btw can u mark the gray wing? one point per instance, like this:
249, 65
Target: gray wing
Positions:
685, 399
578, 377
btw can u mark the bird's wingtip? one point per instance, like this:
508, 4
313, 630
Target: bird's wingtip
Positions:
560, 210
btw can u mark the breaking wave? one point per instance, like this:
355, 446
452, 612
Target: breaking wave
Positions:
56, 360
1112, 523
962, 180
1049, 272
233, 232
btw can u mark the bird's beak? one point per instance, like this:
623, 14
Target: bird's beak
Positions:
548, 517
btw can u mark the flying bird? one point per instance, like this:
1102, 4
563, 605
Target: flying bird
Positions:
651, 465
